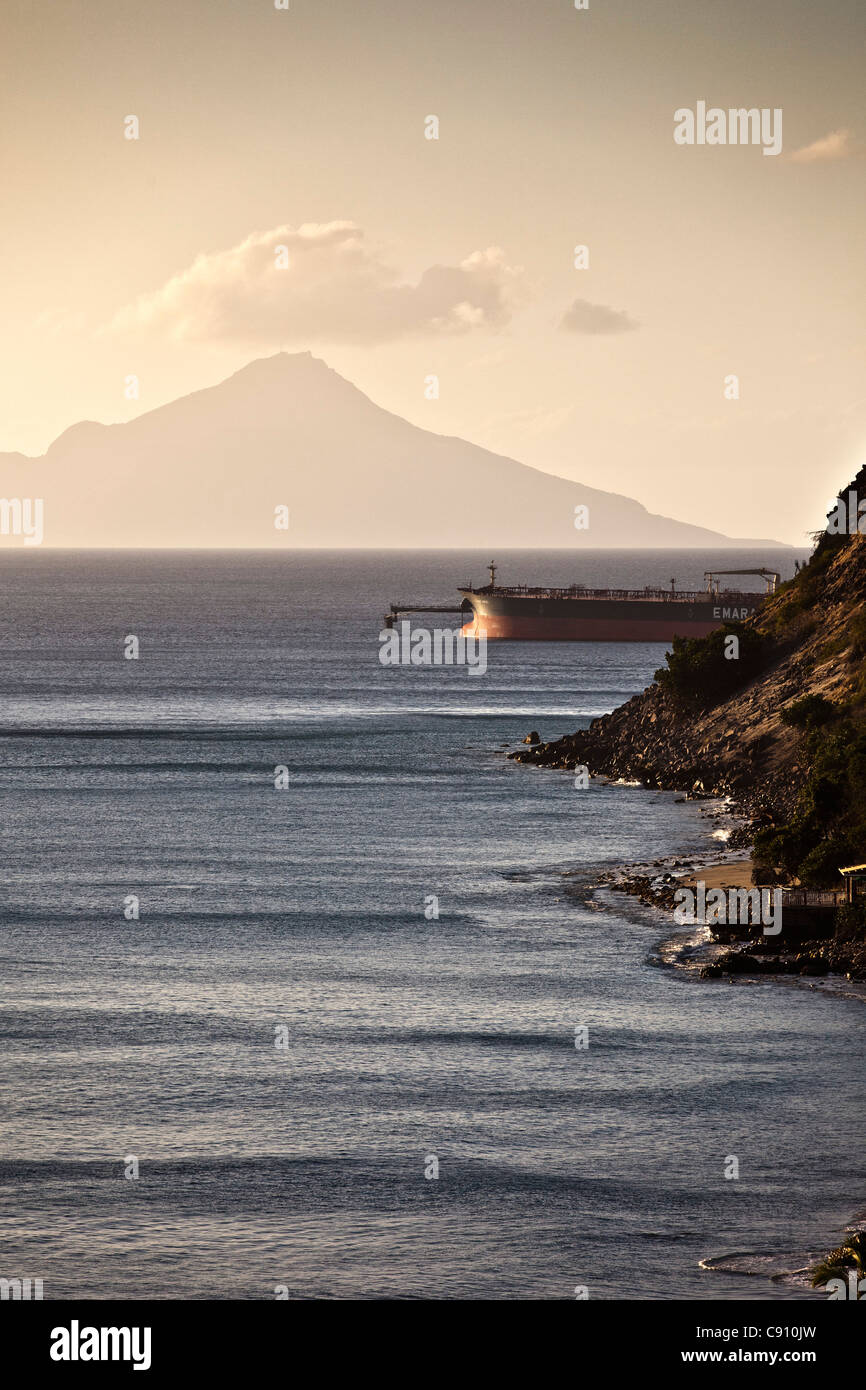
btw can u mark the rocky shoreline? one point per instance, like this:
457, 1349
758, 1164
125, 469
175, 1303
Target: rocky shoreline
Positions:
643, 748
719, 953
716, 952
644, 743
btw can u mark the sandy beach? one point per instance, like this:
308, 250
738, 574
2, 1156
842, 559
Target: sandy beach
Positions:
732, 873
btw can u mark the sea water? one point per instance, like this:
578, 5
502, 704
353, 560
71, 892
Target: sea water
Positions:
319, 1031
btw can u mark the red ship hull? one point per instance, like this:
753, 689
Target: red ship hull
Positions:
526, 629
582, 615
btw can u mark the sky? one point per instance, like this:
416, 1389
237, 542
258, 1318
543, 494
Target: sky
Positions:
301, 134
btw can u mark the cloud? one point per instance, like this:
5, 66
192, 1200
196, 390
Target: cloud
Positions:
836, 145
321, 281
594, 319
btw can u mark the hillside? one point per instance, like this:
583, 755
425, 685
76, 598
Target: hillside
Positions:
782, 729
210, 468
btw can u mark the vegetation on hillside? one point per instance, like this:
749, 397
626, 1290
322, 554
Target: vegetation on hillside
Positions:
826, 824
700, 673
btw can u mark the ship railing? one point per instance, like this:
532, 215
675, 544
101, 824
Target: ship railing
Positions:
650, 595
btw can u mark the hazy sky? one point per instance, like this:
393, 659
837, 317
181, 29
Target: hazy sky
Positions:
409, 257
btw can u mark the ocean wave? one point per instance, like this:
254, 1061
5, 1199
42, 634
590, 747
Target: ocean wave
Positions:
764, 1264
267, 722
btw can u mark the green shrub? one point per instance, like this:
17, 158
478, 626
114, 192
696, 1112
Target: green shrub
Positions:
827, 828
699, 673
811, 712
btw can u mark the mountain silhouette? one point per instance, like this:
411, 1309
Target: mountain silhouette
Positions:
210, 468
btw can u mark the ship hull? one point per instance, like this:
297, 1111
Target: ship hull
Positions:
530, 619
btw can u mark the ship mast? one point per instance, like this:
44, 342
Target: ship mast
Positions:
492, 569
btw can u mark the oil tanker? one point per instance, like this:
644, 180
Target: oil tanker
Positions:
579, 614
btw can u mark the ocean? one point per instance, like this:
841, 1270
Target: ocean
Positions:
312, 1033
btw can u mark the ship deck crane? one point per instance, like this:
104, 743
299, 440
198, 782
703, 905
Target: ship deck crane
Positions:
771, 577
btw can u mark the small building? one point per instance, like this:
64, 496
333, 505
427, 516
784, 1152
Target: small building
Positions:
855, 881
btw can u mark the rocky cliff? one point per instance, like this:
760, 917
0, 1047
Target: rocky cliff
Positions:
777, 719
